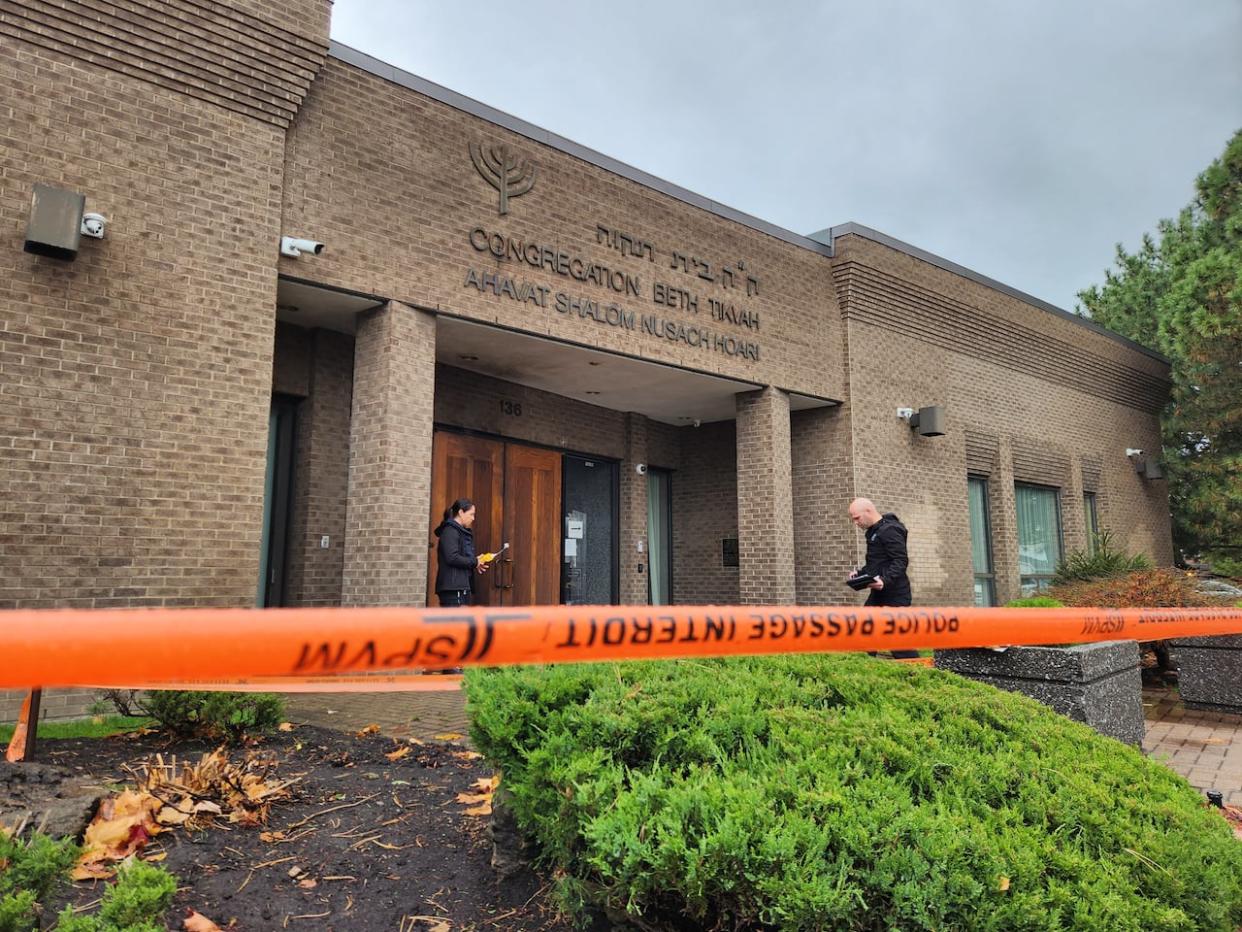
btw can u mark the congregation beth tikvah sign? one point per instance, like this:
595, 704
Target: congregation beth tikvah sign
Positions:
713, 290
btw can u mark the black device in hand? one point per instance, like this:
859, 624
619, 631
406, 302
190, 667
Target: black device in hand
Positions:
859, 583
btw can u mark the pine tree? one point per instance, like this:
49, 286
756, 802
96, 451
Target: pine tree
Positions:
1182, 296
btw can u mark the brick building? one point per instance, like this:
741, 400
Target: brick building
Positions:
653, 397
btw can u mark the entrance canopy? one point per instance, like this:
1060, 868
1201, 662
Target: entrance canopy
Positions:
660, 391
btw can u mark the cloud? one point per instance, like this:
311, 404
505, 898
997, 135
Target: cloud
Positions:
1022, 141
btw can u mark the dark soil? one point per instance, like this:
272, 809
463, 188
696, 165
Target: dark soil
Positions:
427, 858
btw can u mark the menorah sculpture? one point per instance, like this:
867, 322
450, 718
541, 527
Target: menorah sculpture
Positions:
503, 171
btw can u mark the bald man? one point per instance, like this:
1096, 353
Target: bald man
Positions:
886, 557
886, 554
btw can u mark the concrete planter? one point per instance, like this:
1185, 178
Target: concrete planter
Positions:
1209, 673
1097, 684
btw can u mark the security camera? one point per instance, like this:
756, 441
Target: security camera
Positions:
94, 225
640, 468
292, 246
1132, 452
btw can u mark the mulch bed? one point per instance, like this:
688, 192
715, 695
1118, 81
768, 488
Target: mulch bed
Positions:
425, 859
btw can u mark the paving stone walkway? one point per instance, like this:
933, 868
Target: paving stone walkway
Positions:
1204, 747
429, 716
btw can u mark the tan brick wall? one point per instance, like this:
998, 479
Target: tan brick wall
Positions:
142, 369
823, 481
253, 58
765, 510
321, 476
1041, 424
396, 206
55, 704
704, 513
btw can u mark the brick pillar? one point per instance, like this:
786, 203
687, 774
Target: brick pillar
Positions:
390, 458
1002, 509
764, 498
1073, 515
633, 584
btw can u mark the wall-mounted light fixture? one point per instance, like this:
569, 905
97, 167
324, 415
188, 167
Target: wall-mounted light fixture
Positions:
58, 222
1146, 466
929, 421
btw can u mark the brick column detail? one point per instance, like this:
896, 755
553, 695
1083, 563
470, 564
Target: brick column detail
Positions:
390, 458
765, 498
1003, 507
633, 584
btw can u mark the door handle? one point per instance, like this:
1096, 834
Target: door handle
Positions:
509, 564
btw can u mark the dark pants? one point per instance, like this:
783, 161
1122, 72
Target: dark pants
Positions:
878, 600
454, 599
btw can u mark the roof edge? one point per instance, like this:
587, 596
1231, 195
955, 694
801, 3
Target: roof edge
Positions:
444, 95
831, 234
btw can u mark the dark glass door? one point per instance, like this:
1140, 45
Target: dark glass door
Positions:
589, 529
277, 499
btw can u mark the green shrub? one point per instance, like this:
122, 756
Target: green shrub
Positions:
1226, 565
135, 903
225, 716
1103, 561
1035, 601
176, 711
141, 894
233, 716
829, 792
29, 871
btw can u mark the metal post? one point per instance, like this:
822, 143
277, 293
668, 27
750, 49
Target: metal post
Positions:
22, 745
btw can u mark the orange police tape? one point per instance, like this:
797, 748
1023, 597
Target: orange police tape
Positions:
133, 647
368, 683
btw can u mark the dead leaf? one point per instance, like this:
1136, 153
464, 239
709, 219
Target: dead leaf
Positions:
295, 870
271, 837
372, 729
449, 736
159, 856
485, 809
472, 798
207, 806
488, 784
434, 924
398, 754
308, 883
286, 726
170, 815
121, 828
1003, 884
196, 922
465, 755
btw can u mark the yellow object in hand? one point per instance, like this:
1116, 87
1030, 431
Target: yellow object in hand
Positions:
489, 557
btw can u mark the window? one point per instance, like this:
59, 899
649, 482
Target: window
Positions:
981, 541
1091, 521
659, 537
1039, 535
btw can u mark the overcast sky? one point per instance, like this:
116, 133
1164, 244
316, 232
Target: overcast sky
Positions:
1023, 140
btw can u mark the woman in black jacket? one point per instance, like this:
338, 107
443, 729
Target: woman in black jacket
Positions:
457, 561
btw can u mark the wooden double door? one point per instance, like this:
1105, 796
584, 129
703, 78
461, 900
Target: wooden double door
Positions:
516, 490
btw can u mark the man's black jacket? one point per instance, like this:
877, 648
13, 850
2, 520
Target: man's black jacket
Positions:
887, 558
